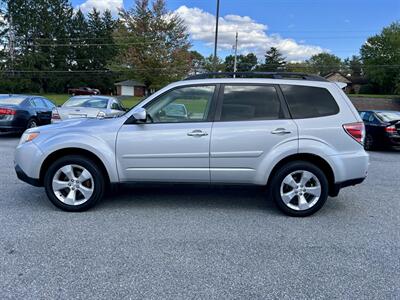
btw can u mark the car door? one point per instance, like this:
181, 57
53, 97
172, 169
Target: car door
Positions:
43, 113
251, 120
173, 145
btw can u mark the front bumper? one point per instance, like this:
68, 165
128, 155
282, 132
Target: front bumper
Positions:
22, 176
28, 160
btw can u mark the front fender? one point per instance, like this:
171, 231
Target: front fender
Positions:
104, 150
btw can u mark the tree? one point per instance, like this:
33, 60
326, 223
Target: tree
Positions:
214, 65
298, 67
381, 58
325, 63
197, 62
245, 63
353, 66
158, 50
274, 61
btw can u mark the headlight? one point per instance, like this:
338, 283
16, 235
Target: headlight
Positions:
28, 136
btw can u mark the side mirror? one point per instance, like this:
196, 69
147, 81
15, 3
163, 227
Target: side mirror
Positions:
140, 114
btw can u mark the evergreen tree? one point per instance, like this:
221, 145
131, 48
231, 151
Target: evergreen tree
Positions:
274, 61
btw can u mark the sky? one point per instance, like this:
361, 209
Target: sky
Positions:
298, 28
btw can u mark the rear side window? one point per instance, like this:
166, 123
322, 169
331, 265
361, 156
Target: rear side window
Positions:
252, 102
309, 102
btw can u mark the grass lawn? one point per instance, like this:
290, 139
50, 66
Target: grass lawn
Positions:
59, 99
374, 96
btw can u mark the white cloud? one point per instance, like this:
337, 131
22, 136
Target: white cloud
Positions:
252, 35
102, 5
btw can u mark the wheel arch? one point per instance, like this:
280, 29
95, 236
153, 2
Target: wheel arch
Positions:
311, 158
72, 151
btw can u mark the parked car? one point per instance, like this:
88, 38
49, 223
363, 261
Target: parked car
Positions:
300, 138
83, 91
19, 112
88, 107
382, 128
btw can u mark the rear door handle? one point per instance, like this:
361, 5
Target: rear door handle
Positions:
281, 131
197, 133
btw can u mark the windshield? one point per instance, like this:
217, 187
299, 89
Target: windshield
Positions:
87, 102
389, 116
11, 101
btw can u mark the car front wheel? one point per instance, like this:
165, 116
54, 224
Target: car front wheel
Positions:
300, 189
74, 183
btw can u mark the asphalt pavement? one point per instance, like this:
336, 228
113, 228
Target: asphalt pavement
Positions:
181, 242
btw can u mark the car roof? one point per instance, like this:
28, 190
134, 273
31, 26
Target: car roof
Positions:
301, 82
380, 111
94, 96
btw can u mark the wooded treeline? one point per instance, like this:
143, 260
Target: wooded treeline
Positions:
47, 46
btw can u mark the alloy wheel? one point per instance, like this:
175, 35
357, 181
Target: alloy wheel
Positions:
300, 190
73, 185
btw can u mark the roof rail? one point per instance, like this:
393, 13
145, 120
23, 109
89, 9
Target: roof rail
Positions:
273, 75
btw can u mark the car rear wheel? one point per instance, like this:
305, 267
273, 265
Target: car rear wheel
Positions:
300, 189
74, 183
369, 143
32, 123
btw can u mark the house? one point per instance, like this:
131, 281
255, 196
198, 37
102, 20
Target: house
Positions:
339, 77
354, 83
130, 88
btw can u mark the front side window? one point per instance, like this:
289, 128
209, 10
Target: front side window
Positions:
309, 102
253, 102
186, 104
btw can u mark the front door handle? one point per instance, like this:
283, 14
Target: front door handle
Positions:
197, 133
281, 131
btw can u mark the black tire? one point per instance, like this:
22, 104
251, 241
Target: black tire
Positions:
369, 143
289, 168
32, 123
89, 165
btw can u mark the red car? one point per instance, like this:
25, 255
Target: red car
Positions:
83, 91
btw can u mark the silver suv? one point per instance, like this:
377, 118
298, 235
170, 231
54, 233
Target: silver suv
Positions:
298, 135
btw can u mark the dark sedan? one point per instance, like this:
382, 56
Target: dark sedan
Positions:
382, 129
19, 112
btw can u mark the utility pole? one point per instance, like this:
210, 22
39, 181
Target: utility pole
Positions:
216, 37
236, 49
11, 45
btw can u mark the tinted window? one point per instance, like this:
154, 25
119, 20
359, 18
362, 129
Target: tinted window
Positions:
37, 102
48, 103
187, 104
309, 102
117, 106
250, 103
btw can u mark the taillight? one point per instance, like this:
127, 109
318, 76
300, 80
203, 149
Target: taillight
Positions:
356, 131
55, 115
391, 129
7, 111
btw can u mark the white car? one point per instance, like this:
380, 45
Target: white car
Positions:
88, 107
297, 135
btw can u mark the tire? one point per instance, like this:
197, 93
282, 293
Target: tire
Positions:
80, 183
32, 123
305, 198
369, 143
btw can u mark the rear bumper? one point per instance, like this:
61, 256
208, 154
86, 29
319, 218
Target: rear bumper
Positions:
22, 176
15, 125
335, 189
